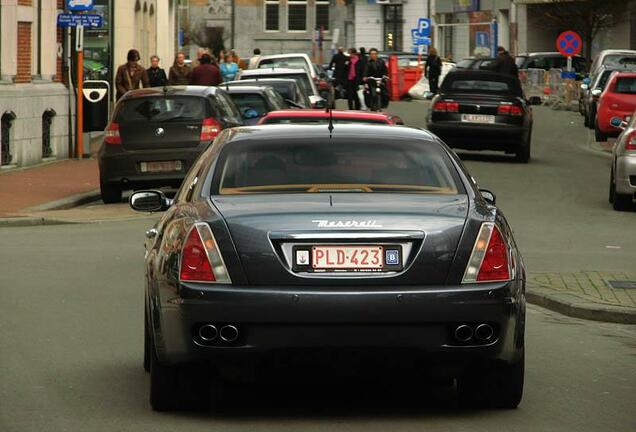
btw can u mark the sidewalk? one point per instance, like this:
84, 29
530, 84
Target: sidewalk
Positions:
21, 189
592, 295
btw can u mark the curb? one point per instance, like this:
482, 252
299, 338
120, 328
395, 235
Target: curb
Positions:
571, 305
29, 221
67, 202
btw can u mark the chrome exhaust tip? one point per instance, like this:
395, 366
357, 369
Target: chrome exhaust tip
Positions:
484, 332
229, 333
208, 332
463, 333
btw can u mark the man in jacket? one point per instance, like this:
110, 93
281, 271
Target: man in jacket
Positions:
339, 67
504, 63
206, 74
156, 75
376, 68
179, 72
130, 75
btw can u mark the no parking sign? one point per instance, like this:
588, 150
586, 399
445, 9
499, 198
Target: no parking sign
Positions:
569, 43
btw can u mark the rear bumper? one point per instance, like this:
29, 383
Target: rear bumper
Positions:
479, 136
625, 175
122, 167
269, 319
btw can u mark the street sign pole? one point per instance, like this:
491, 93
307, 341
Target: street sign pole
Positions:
79, 115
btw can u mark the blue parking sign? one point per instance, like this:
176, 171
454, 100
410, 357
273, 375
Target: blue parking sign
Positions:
79, 5
424, 27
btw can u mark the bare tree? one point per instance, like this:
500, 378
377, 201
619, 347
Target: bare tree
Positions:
586, 17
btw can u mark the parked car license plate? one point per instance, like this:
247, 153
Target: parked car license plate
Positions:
478, 118
161, 166
347, 257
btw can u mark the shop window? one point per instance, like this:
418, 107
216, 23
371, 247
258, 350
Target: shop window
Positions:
6, 122
47, 122
322, 14
296, 15
271, 15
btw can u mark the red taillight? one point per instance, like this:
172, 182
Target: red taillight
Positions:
201, 260
509, 109
210, 128
489, 260
630, 141
445, 106
112, 136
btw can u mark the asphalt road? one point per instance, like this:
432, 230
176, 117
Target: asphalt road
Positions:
71, 316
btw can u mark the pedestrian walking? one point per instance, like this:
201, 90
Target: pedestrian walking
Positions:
207, 73
229, 68
354, 79
130, 75
505, 63
433, 69
363, 59
337, 64
179, 72
156, 75
254, 59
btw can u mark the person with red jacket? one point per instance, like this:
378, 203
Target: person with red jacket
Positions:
206, 74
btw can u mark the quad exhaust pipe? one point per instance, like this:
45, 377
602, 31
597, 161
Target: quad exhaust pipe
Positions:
482, 333
229, 333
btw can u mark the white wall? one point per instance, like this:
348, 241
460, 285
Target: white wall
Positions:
368, 25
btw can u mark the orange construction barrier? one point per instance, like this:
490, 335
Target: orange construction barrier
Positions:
401, 78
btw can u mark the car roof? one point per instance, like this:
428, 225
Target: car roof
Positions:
272, 71
379, 133
275, 56
616, 51
186, 90
246, 89
288, 81
340, 114
543, 53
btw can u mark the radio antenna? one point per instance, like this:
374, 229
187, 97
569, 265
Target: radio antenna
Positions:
330, 127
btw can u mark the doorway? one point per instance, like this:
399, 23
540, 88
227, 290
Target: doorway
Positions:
393, 27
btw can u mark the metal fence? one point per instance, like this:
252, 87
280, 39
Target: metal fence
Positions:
550, 87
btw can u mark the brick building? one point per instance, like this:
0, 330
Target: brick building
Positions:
33, 99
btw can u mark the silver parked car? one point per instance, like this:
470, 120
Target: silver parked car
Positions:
623, 176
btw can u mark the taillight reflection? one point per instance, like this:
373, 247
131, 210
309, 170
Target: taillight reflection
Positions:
210, 128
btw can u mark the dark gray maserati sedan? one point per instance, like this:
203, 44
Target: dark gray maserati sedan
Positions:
289, 239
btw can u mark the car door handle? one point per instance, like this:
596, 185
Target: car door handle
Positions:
152, 233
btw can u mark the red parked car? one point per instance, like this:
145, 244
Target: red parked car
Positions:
618, 100
319, 116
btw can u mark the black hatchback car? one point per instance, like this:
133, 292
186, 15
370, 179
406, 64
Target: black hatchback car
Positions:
480, 110
254, 102
156, 134
300, 241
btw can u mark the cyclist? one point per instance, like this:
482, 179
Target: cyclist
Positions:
376, 68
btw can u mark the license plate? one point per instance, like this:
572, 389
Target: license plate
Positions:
478, 118
161, 166
347, 257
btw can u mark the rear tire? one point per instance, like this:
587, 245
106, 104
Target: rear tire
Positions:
110, 193
498, 386
599, 135
179, 387
591, 115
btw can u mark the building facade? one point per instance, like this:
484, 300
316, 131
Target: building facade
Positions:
386, 24
33, 100
274, 26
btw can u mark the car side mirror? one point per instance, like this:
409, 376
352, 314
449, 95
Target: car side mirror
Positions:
489, 196
596, 92
149, 201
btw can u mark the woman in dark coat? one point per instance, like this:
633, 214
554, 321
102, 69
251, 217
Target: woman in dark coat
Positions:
354, 78
130, 75
179, 72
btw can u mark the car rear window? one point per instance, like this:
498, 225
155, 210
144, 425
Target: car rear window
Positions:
286, 62
247, 101
162, 109
305, 166
619, 60
464, 64
480, 85
301, 79
319, 120
625, 85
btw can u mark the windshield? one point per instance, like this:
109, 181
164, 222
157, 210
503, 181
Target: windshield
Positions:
247, 101
162, 109
626, 85
332, 166
619, 60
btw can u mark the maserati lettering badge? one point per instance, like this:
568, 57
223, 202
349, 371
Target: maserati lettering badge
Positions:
159, 132
323, 223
